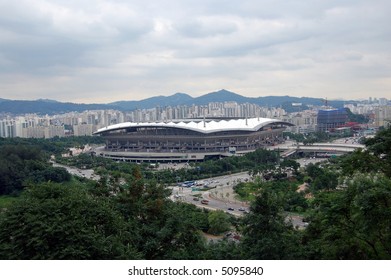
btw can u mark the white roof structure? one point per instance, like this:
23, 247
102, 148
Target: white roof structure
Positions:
203, 126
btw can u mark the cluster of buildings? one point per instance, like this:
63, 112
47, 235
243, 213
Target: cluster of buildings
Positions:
321, 119
229, 109
86, 123
330, 119
69, 124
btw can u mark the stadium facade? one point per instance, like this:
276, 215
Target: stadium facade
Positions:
188, 140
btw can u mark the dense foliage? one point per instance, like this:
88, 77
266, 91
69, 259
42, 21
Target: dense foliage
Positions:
21, 165
51, 221
266, 235
55, 145
353, 223
359, 118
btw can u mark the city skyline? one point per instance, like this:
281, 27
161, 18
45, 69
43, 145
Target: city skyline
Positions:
75, 51
32, 125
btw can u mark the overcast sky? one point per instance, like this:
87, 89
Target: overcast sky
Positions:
110, 50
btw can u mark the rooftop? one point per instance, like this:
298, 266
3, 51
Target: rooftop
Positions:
200, 125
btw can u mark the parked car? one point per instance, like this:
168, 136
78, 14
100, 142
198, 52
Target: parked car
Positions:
231, 209
205, 201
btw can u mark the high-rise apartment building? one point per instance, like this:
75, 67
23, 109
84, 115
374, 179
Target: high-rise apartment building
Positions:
7, 128
383, 116
83, 130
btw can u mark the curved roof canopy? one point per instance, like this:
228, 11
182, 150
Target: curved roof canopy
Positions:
202, 126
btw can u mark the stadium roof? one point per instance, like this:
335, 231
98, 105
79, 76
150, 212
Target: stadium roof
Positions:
202, 126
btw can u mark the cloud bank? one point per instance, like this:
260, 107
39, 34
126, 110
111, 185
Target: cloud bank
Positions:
109, 50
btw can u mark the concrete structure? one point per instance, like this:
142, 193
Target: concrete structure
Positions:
188, 140
383, 116
54, 130
304, 122
33, 132
331, 119
317, 149
7, 128
83, 130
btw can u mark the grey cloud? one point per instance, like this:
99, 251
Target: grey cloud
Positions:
35, 40
119, 46
206, 27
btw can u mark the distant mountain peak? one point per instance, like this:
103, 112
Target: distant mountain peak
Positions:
180, 94
47, 100
223, 91
221, 95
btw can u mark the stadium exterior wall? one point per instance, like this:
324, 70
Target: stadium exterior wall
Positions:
188, 140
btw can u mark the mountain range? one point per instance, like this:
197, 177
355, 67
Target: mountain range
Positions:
46, 106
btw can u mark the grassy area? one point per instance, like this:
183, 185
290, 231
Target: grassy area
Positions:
246, 191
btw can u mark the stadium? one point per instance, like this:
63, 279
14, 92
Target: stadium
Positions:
188, 140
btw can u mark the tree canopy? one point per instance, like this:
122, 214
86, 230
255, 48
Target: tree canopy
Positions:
53, 221
22, 165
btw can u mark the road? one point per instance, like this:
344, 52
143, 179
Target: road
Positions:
86, 173
222, 197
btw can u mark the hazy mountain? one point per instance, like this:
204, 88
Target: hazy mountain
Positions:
47, 100
47, 106
162, 101
222, 96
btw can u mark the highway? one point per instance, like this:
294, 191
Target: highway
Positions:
220, 197
223, 197
340, 146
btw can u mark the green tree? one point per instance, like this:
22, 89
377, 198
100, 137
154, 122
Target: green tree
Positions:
222, 250
325, 181
290, 163
360, 161
53, 221
172, 235
353, 223
218, 222
23, 164
380, 146
314, 171
266, 234
162, 229
356, 117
